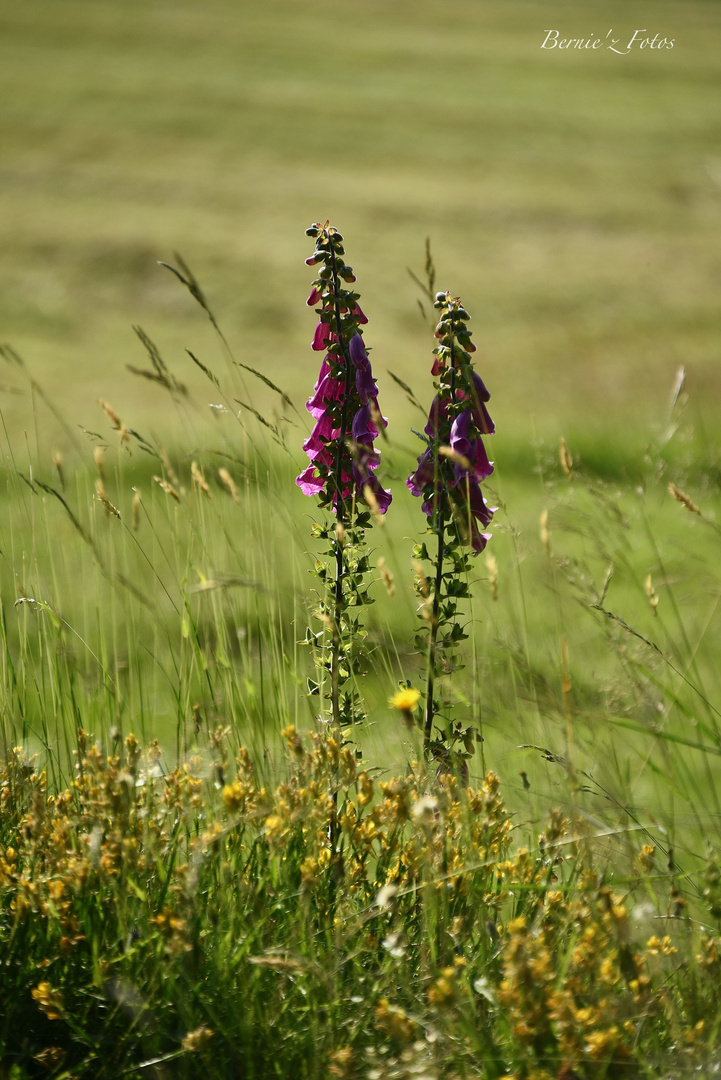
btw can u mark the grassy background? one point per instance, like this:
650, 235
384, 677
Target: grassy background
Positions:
571, 198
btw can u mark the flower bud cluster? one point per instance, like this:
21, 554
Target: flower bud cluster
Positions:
344, 403
450, 470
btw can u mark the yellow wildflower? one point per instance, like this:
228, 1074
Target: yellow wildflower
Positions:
405, 700
233, 795
663, 946
49, 1000
394, 1021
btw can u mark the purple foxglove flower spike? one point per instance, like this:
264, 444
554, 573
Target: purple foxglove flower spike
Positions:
457, 420
344, 403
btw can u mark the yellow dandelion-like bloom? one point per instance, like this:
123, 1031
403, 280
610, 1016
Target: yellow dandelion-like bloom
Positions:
405, 700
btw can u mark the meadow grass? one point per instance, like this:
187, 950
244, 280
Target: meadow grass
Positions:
171, 904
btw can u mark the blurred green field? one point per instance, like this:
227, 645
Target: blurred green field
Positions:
571, 198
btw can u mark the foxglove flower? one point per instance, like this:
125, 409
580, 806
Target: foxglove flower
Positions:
454, 464
341, 476
344, 403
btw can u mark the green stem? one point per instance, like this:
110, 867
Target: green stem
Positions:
435, 612
340, 567
336, 641
435, 618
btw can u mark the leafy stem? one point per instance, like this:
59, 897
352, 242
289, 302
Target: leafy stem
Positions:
447, 477
336, 642
440, 524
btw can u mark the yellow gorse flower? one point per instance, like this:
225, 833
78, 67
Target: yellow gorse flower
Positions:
49, 1000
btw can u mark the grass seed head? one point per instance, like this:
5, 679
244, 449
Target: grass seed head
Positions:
167, 488
545, 533
199, 480
386, 576
101, 496
114, 420
651, 594
370, 497
683, 498
492, 568
229, 483
454, 456
136, 510
58, 463
110, 413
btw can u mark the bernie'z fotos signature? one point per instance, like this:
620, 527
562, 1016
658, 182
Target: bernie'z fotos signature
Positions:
553, 40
